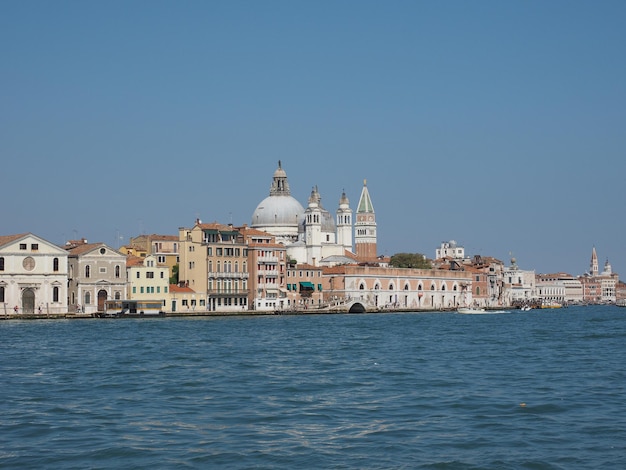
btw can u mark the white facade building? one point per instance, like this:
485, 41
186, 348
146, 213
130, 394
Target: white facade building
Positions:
450, 250
33, 275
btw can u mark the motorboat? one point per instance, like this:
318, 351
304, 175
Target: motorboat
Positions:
470, 310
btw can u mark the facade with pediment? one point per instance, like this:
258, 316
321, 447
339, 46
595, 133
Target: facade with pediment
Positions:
96, 273
33, 275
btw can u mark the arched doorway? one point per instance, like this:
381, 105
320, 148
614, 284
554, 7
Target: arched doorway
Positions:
28, 301
102, 296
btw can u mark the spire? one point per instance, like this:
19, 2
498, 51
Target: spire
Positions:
594, 262
365, 202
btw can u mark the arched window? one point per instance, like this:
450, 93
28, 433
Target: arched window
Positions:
443, 287
432, 287
87, 271
55, 264
118, 296
419, 286
87, 298
1, 263
390, 286
1, 293
406, 287
55, 293
477, 290
361, 286
454, 288
117, 272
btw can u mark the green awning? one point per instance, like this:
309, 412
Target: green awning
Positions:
307, 285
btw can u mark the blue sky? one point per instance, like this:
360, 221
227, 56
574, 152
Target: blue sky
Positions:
499, 124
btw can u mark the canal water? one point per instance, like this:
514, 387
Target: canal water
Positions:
535, 390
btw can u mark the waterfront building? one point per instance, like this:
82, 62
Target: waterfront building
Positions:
214, 264
304, 287
96, 273
182, 299
559, 288
376, 288
267, 266
518, 285
599, 287
33, 275
148, 280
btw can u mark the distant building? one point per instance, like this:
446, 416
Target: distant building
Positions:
148, 280
599, 287
312, 235
97, 273
450, 250
519, 286
33, 275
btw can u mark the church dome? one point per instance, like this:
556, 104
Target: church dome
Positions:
276, 211
279, 214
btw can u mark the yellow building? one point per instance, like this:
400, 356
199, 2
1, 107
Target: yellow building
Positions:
147, 279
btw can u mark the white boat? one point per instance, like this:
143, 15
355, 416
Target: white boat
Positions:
470, 310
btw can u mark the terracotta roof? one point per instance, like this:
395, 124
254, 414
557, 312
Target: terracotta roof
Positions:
132, 260
6, 239
182, 290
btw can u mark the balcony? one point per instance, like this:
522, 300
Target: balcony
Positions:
221, 275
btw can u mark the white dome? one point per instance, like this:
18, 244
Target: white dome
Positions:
279, 214
274, 211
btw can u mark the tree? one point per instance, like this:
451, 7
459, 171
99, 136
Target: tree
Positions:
410, 260
174, 277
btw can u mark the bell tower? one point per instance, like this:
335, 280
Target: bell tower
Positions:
365, 227
594, 268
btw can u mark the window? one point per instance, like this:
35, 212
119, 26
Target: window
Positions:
34, 246
55, 264
118, 296
1, 293
103, 270
102, 251
22, 246
87, 271
117, 272
138, 275
218, 252
209, 251
150, 275
55, 294
162, 275
134, 289
1, 263
87, 298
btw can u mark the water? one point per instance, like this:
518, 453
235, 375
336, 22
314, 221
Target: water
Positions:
534, 390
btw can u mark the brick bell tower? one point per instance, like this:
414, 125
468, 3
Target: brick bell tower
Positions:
365, 227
